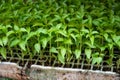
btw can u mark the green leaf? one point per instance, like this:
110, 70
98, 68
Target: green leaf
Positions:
85, 30
59, 40
16, 27
106, 36
22, 45
14, 42
1, 43
37, 47
88, 43
63, 51
77, 53
5, 40
8, 26
94, 32
118, 43
44, 42
88, 53
62, 32
58, 26
71, 30
97, 60
92, 40
90, 21
9, 33
31, 34
73, 36
53, 50
95, 54
61, 58
115, 38
110, 45
37, 24
67, 41
65, 15
96, 22
41, 30
3, 52
102, 48
23, 30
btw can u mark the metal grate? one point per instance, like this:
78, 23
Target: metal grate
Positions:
48, 60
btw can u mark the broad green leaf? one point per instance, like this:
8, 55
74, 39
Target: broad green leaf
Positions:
68, 41
22, 45
109, 40
14, 42
1, 43
16, 27
3, 52
37, 47
96, 22
82, 12
69, 51
37, 24
106, 36
90, 21
92, 40
57, 17
8, 26
85, 30
89, 44
4, 29
52, 20
77, 53
110, 45
71, 30
23, 30
88, 52
31, 34
62, 32
115, 38
109, 31
52, 29
102, 48
97, 57
28, 29
94, 32
9, 33
59, 40
85, 21
65, 15
44, 42
118, 43
53, 50
63, 51
61, 58
101, 55
41, 30
97, 60
5, 40
58, 26
95, 54
73, 36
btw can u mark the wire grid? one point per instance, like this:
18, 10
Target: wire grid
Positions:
49, 60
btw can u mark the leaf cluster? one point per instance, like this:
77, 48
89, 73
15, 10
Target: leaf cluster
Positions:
67, 27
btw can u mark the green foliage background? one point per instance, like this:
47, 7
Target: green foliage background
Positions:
66, 27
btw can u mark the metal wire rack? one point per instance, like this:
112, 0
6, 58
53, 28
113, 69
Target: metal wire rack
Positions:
48, 60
